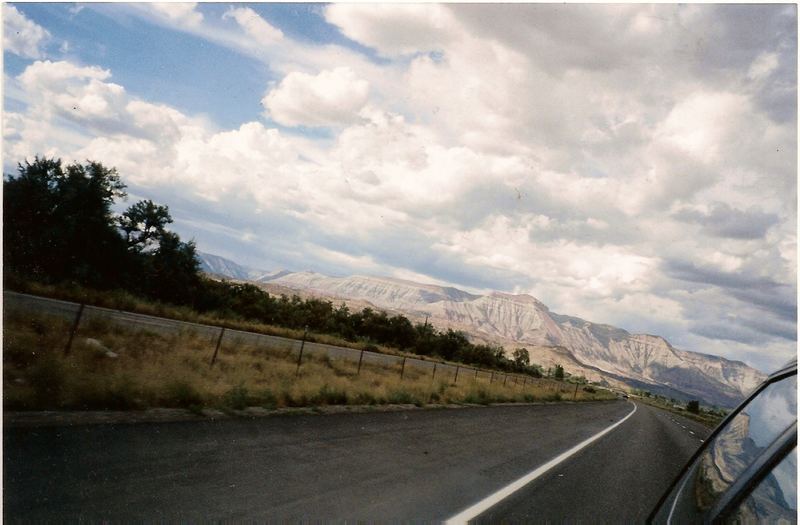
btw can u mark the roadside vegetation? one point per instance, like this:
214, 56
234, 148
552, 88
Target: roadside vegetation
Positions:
708, 416
113, 368
61, 239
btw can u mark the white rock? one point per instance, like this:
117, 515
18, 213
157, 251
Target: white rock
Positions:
95, 343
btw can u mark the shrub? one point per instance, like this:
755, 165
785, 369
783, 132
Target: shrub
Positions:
478, 397
329, 396
364, 398
47, 377
237, 397
266, 398
181, 394
400, 397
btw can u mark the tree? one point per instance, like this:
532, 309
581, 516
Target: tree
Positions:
144, 225
521, 358
174, 270
58, 222
558, 373
693, 406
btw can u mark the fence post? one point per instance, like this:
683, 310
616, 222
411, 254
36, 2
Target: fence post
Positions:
476, 375
300, 355
360, 358
403, 369
575, 395
434, 372
491, 379
219, 342
74, 329
455, 381
505, 378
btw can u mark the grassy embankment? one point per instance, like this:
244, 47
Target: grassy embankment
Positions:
122, 300
705, 417
173, 371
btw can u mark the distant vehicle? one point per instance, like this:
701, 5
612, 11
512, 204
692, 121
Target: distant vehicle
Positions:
746, 472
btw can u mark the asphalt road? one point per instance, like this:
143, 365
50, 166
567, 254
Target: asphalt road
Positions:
411, 465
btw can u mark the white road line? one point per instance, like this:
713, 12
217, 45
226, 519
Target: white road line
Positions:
692, 433
486, 503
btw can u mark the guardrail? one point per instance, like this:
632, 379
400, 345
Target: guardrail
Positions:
218, 336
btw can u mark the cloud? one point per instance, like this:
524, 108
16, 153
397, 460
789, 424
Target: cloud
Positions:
254, 26
611, 160
332, 97
178, 12
21, 36
395, 29
721, 220
768, 295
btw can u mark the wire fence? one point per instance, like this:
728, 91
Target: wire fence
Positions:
219, 336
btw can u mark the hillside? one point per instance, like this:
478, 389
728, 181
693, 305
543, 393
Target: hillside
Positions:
596, 351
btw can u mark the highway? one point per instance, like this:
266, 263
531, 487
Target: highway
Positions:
406, 465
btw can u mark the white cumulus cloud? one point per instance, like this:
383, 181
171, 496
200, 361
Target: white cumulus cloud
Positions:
332, 97
22, 36
394, 29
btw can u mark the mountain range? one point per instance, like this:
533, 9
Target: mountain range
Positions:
599, 352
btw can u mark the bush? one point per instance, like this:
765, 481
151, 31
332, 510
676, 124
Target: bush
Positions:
400, 397
364, 398
47, 377
181, 394
329, 396
693, 406
478, 397
237, 397
266, 398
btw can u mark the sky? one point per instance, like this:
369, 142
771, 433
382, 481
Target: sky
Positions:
634, 165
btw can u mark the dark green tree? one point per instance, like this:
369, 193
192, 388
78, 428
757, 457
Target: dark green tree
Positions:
558, 372
58, 222
693, 406
174, 271
144, 224
521, 357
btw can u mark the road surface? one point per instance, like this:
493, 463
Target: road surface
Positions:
407, 465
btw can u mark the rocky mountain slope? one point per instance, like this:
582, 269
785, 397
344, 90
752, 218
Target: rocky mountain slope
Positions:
222, 267
596, 351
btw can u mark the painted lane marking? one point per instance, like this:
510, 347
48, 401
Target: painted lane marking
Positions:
493, 499
692, 433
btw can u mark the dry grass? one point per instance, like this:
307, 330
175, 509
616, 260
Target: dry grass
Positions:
122, 300
173, 371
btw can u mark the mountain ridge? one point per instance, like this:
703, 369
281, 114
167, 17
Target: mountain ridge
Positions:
600, 352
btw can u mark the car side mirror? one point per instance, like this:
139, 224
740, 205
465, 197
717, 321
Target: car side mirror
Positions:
758, 437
